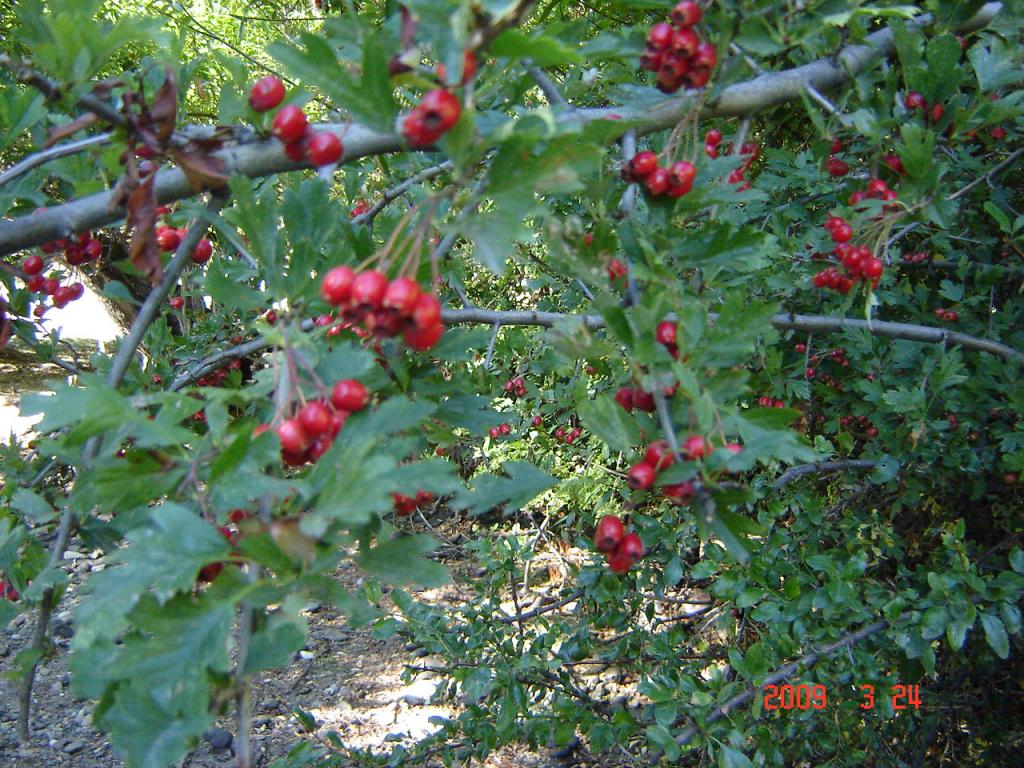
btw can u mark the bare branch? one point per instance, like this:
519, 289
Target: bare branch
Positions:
822, 466
400, 189
61, 150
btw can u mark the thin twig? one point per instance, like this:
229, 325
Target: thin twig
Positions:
61, 150
400, 189
821, 467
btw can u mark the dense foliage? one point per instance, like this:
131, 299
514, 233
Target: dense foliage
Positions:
680, 249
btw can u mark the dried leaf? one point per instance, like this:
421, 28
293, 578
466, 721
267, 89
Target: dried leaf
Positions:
145, 254
5, 331
204, 170
60, 132
408, 29
164, 109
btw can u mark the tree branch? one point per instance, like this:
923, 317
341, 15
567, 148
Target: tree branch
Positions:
822, 466
542, 609
266, 157
400, 189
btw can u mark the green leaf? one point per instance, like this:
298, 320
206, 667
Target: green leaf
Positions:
494, 235
273, 644
995, 63
934, 622
1017, 559
8, 611
33, 506
995, 635
401, 561
150, 732
545, 51
523, 484
732, 758
610, 423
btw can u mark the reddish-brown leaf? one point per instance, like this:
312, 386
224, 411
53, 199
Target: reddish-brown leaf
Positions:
60, 132
408, 28
204, 170
145, 254
164, 108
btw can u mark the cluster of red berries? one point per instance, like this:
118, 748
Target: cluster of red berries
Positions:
78, 250
837, 355
469, 67
949, 315
635, 399
834, 165
359, 209
7, 591
876, 189
766, 402
499, 431
659, 456
385, 308
567, 435
858, 261
915, 101
674, 181
675, 52
862, 423
436, 114
621, 550
169, 238
665, 334
220, 376
915, 258
515, 387
49, 286
825, 378
406, 505
291, 126
711, 141
311, 432
617, 272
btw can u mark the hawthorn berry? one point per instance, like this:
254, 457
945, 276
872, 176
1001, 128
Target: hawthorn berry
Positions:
914, 100
659, 455
616, 271
294, 439
422, 339
349, 395
695, 447
315, 418
266, 93
324, 148
660, 35
167, 239
50, 286
679, 494
643, 401
401, 296
624, 397
836, 167
368, 289
336, 285
177, 302
631, 547
666, 333
836, 147
657, 183
894, 163
35, 283
642, 165
203, 251
441, 110
841, 233
289, 124
640, 476
427, 312
33, 265
608, 534
686, 14
713, 137
685, 43
619, 563
998, 133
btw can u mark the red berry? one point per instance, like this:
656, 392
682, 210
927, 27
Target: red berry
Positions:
349, 395
836, 147
914, 100
624, 397
62, 296
711, 150
682, 174
836, 167
713, 137
842, 233
494, 432
937, 112
336, 286
695, 447
203, 251
872, 268
368, 289
686, 43
619, 563
294, 439
643, 401
289, 124
686, 14
35, 283
630, 547
270, 316
315, 418
678, 493
266, 93
894, 163
324, 149
877, 188
651, 58
177, 302
643, 164
640, 476
167, 239
441, 110
616, 270
658, 181
427, 312
33, 265
705, 58
658, 455
401, 296
660, 36
296, 150
416, 130
504, 428
608, 534
422, 339
537, 421
998, 133
666, 333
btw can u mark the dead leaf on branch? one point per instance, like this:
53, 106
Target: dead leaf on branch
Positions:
203, 169
145, 254
163, 110
59, 132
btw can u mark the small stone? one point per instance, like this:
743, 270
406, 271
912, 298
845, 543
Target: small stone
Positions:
74, 747
72, 555
306, 655
312, 607
334, 634
395, 737
218, 738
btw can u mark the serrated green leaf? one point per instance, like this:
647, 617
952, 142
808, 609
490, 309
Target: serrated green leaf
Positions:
606, 419
523, 484
545, 51
401, 561
33, 506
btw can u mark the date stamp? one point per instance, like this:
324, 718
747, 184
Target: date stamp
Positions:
805, 696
